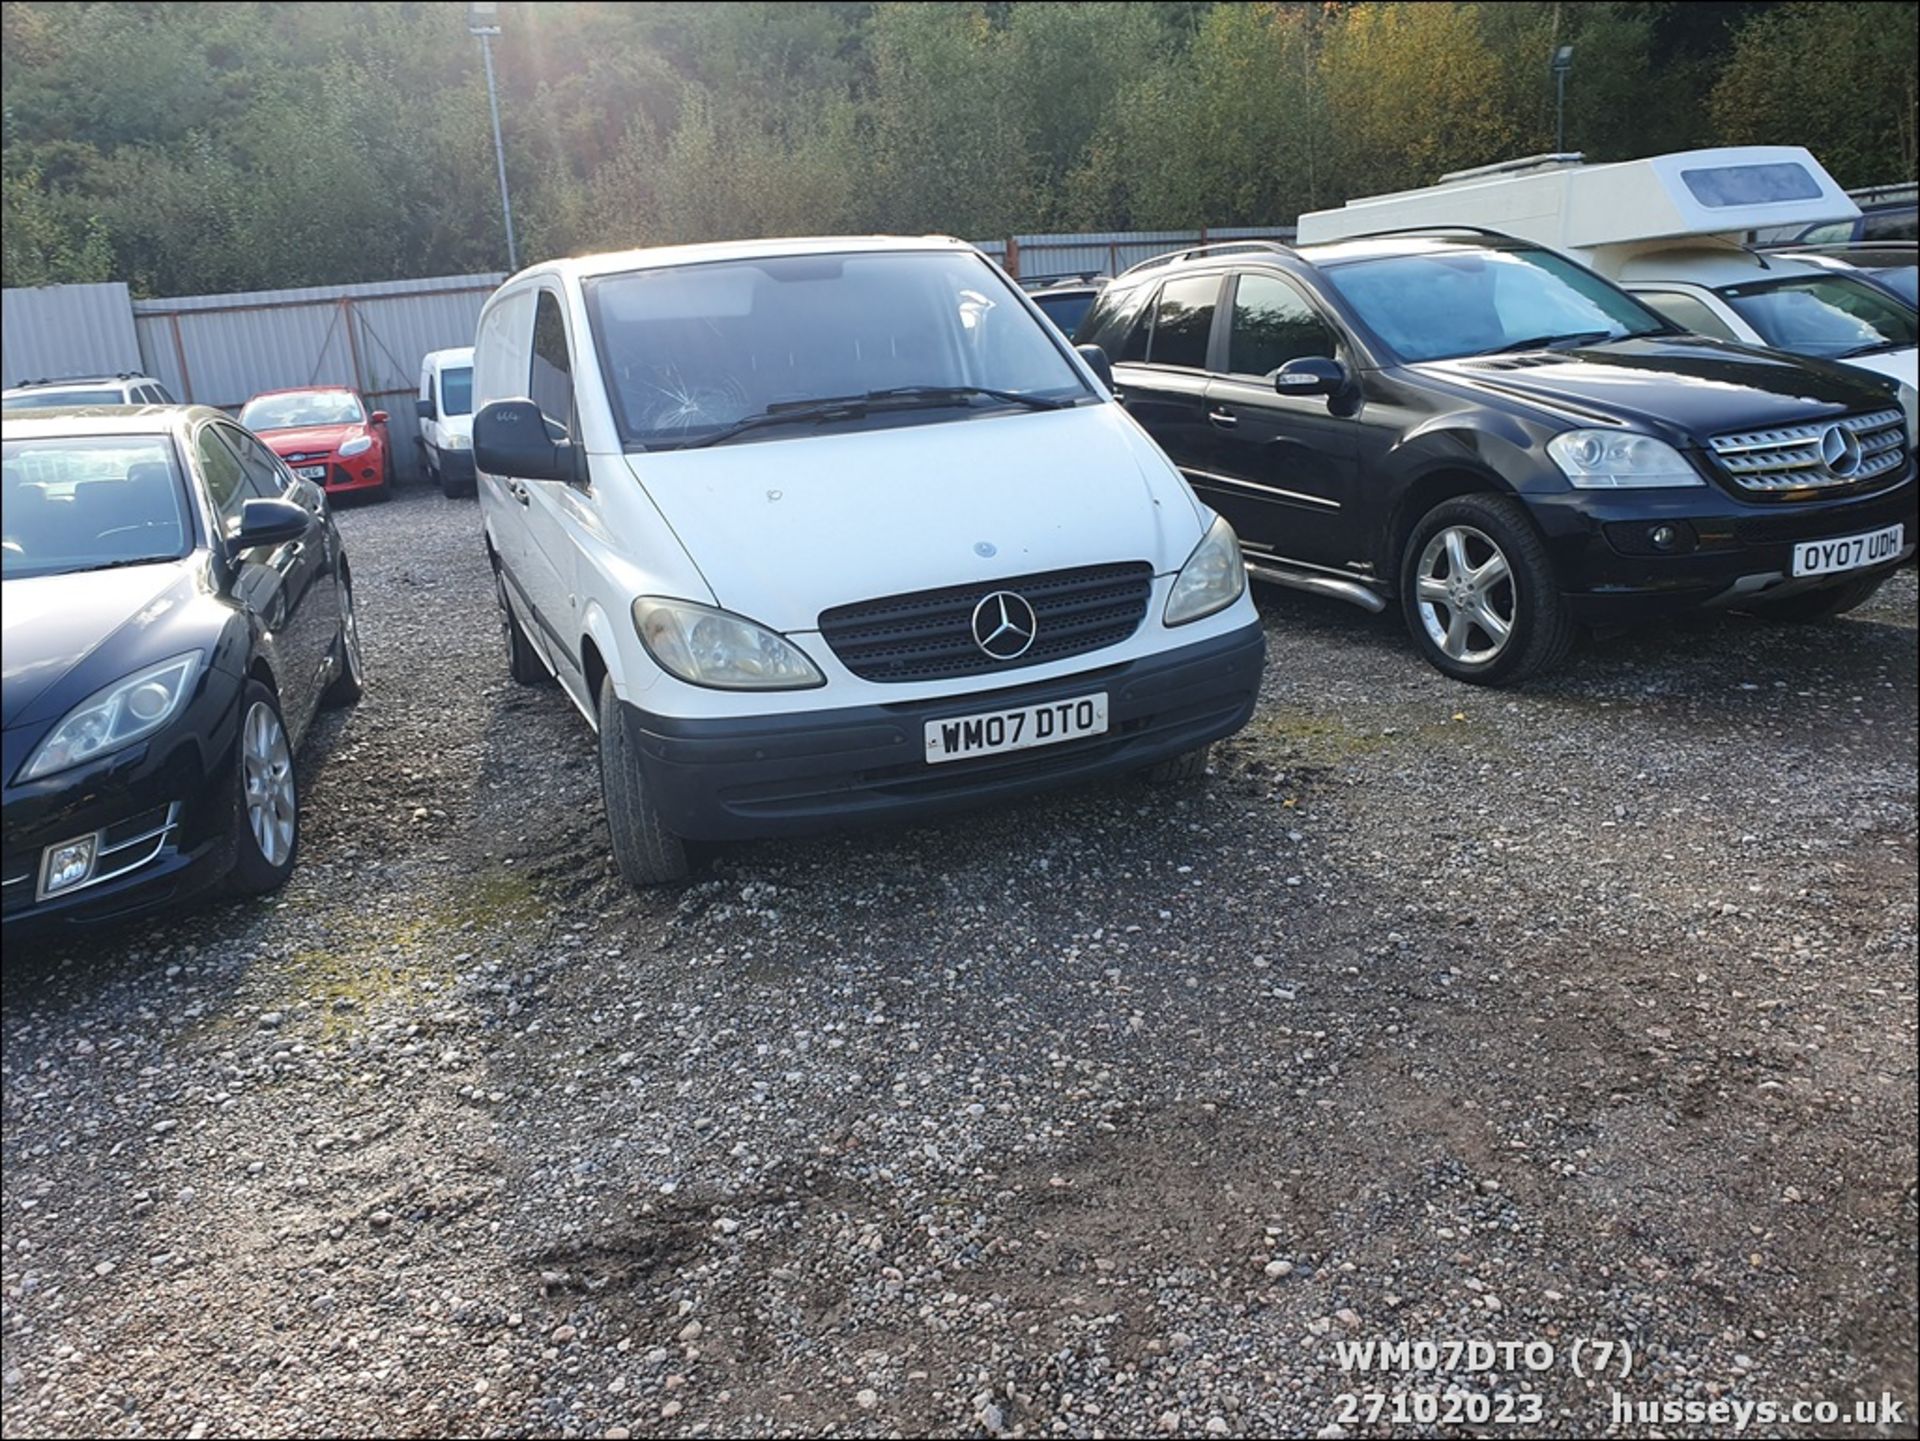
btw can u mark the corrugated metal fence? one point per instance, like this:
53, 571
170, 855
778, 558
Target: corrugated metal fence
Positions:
222, 349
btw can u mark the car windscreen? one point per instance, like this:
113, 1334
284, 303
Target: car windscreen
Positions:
456, 391
688, 351
1457, 300
296, 408
1823, 315
1066, 311
74, 503
46, 399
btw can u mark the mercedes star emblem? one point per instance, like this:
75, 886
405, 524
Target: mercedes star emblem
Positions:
1840, 450
1004, 625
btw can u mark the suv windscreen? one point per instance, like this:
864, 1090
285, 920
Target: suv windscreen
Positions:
1823, 315
690, 350
456, 391
1458, 300
45, 399
75, 503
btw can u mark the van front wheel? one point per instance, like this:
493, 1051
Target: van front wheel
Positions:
647, 853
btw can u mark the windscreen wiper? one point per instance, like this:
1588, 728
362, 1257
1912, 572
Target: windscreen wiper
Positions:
852, 407
1541, 342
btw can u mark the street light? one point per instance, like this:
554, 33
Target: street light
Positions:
1562, 63
483, 20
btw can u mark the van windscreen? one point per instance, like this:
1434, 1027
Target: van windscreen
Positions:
690, 350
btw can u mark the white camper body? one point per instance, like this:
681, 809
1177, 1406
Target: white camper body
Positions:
1672, 229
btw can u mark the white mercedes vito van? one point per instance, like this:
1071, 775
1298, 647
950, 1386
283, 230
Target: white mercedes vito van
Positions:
821, 530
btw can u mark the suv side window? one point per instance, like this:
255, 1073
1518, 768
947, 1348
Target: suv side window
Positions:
265, 479
1182, 321
1118, 324
1272, 324
1889, 225
220, 468
550, 382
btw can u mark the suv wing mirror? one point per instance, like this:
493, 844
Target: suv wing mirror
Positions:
1311, 375
510, 439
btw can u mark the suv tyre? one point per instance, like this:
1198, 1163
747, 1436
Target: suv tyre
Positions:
1479, 592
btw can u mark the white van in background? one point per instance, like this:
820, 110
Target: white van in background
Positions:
1671, 229
445, 408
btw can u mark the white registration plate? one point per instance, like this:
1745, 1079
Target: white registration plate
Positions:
310, 472
1848, 552
1018, 729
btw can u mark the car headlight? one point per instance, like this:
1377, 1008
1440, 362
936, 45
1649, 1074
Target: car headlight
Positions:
130, 709
1619, 460
715, 648
1212, 579
359, 445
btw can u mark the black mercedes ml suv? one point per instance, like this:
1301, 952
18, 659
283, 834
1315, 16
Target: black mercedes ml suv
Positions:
1504, 443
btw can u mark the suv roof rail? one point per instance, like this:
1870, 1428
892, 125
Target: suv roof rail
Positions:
70, 379
1223, 247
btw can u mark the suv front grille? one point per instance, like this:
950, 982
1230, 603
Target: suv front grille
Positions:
928, 634
1795, 457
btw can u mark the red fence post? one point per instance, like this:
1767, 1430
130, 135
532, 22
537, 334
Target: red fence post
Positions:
353, 344
1013, 256
180, 354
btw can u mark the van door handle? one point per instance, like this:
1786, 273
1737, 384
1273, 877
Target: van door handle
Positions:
518, 490
1220, 415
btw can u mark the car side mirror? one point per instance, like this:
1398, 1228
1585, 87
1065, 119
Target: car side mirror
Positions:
424, 410
1311, 375
268, 522
510, 439
1097, 362
379, 417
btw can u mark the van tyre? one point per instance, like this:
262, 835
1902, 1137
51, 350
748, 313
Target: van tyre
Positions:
523, 663
1480, 595
266, 796
647, 853
1179, 770
1813, 605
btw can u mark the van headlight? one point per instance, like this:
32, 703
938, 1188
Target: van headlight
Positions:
1619, 460
359, 445
710, 647
459, 442
1212, 579
115, 716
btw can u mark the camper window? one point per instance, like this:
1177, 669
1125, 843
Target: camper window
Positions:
1728, 185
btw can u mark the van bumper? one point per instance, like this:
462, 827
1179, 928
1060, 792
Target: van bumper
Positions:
778, 775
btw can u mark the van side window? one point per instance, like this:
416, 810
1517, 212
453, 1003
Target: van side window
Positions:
1272, 324
550, 383
1182, 320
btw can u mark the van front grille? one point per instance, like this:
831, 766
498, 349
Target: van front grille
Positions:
1807, 457
929, 635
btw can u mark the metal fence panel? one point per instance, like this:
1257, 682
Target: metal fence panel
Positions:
60, 330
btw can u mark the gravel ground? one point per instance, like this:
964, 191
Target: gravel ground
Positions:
1582, 1012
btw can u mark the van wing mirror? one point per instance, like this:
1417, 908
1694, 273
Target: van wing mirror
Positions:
1311, 375
424, 409
510, 439
1097, 362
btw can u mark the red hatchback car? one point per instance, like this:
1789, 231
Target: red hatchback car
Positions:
325, 434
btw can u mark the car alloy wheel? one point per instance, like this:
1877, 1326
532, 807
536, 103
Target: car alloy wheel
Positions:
350, 638
1464, 588
267, 763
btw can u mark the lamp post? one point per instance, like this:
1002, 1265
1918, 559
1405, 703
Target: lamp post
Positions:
1562, 63
483, 20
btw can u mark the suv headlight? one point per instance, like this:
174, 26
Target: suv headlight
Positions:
359, 445
716, 648
1212, 579
1619, 460
1908, 398
112, 718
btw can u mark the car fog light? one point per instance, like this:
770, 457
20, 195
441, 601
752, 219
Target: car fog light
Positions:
69, 863
1665, 537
